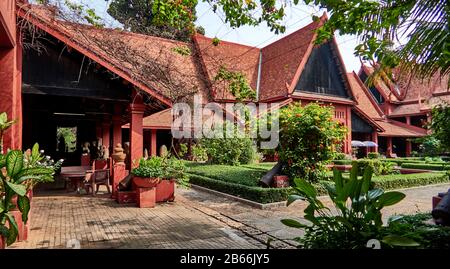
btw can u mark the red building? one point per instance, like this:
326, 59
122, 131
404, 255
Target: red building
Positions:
100, 80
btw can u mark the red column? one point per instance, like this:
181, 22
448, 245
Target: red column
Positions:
154, 151
11, 95
375, 139
117, 130
106, 134
136, 131
408, 120
389, 146
408, 147
348, 142
117, 125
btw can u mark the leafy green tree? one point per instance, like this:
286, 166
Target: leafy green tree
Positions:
174, 20
308, 139
440, 125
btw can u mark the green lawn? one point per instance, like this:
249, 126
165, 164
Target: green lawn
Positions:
243, 180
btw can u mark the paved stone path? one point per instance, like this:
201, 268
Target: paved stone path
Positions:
99, 222
267, 222
196, 220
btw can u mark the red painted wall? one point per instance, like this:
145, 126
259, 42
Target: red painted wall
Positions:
10, 73
7, 23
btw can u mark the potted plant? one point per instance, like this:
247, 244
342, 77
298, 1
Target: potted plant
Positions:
149, 173
17, 174
162, 173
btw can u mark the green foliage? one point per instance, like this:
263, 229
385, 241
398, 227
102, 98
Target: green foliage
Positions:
5, 124
398, 181
243, 175
215, 41
373, 155
238, 84
168, 19
416, 227
200, 30
440, 124
358, 218
15, 174
378, 167
199, 153
308, 139
182, 50
235, 149
429, 145
425, 166
257, 194
88, 14
70, 137
162, 167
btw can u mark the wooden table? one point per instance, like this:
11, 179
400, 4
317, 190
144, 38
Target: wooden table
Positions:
75, 174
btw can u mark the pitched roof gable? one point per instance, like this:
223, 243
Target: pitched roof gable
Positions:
364, 99
128, 55
283, 60
233, 56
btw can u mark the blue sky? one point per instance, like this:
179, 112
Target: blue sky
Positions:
297, 17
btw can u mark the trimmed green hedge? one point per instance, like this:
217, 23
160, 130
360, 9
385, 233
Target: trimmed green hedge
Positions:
233, 174
342, 162
426, 166
403, 161
257, 194
409, 180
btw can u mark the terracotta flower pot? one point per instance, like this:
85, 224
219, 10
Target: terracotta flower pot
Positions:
165, 191
146, 182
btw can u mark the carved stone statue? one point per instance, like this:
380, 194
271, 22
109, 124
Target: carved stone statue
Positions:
85, 149
118, 155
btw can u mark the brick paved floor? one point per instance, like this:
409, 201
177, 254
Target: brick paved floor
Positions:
99, 222
196, 220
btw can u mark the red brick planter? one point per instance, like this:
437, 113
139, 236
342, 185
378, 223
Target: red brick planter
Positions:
165, 191
145, 182
146, 197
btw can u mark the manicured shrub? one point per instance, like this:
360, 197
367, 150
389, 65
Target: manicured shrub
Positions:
342, 162
309, 137
409, 180
235, 150
373, 155
378, 167
233, 174
426, 166
257, 194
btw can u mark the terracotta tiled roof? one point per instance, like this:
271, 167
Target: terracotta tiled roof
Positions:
364, 99
281, 61
130, 55
414, 88
233, 56
381, 86
398, 129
